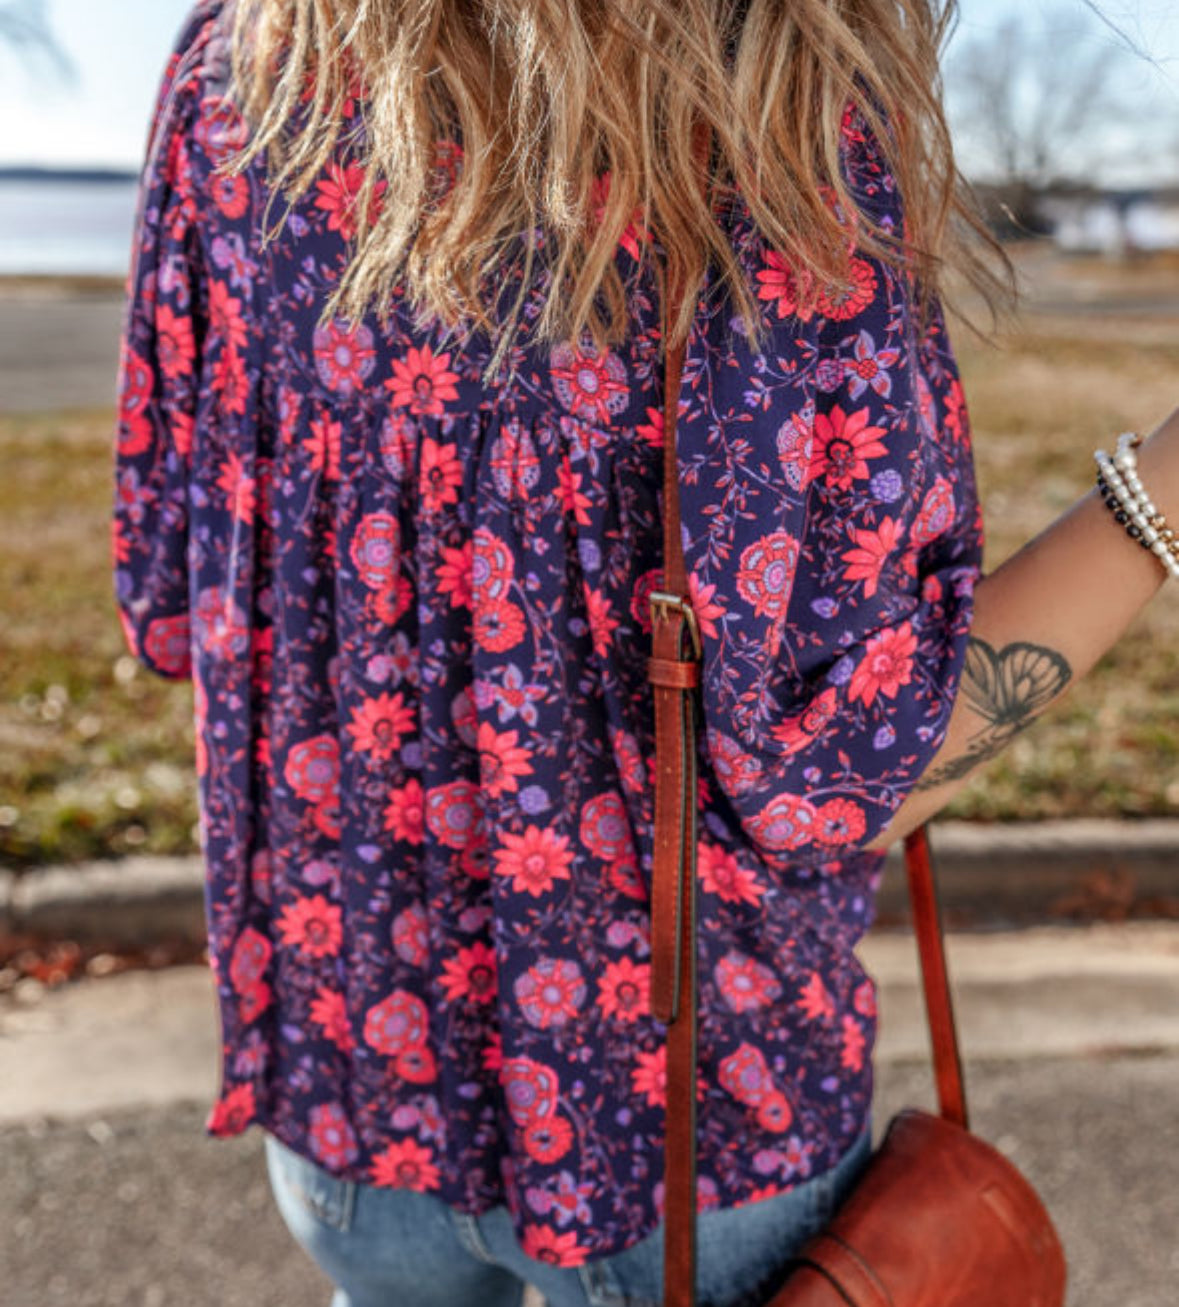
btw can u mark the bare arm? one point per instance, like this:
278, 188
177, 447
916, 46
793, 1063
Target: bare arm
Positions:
1041, 621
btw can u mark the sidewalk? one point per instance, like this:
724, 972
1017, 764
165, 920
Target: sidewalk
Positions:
988, 876
111, 1194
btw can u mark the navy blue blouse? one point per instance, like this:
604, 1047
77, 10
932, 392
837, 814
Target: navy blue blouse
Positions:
414, 610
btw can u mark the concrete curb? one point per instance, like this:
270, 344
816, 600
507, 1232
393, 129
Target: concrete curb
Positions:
988, 876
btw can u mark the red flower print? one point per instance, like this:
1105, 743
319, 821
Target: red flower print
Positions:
453, 812
652, 430
738, 771
498, 626
313, 926
534, 860
339, 197
839, 305
323, 446
649, 1076
624, 990
605, 827
493, 566
378, 725
874, 547
816, 1003
167, 644
515, 467
344, 356
864, 999
231, 194
219, 626
254, 1001
422, 383
313, 768
745, 984
635, 232
225, 317
705, 606
411, 940
405, 1165
175, 344
501, 760
405, 813
549, 1139
331, 1137
471, 974
786, 822
745, 1076
530, 1089
796, 449
588, 383
391, 601
840, 821
475, 859
492, 1058
546, 1245
624, 877
397, 1022
230, 381
852, 1057
251, 957
765, 578
569, 496
843, 445
329, 1011
137, 384
936, 516
416, 1064
550, 992
886, 666
778, 282
455, 574
232, 1112
441, 475
722, 874
376, 550
238, 488
795, 733
774, 1113
601, 622
220, 129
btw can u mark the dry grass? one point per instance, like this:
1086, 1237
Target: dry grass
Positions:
95, 754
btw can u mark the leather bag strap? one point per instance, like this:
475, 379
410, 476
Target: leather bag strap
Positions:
674, 670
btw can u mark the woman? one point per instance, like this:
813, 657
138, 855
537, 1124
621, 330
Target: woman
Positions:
388, 490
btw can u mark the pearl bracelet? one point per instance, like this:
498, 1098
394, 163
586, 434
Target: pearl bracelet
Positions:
1127, 498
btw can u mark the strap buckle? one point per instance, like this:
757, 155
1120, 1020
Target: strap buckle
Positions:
661, 601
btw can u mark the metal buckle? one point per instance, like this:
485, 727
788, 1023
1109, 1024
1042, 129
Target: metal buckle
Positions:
661, 600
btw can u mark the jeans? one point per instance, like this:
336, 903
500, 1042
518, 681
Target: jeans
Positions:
400, 1248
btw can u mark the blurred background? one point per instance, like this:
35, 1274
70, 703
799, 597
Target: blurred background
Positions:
1066, 116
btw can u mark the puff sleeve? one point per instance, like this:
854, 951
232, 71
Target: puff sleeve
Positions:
163, 329
834, 539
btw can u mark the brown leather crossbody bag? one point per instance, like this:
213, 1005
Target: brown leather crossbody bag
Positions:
938, 1218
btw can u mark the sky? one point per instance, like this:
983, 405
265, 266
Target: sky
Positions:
118, 49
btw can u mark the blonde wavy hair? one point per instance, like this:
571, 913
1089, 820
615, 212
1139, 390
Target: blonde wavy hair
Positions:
548, 95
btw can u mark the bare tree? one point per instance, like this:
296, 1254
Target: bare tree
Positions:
25, 28
1032, 102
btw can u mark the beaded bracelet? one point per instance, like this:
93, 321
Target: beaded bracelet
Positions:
1127, 498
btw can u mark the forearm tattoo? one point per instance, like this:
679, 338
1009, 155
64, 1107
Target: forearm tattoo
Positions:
1008, 688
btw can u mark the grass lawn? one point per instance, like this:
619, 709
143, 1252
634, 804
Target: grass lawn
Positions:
95, 754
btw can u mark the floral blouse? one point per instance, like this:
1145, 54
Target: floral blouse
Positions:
413, 606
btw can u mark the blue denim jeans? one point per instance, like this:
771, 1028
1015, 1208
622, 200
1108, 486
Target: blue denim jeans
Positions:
399, 1248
